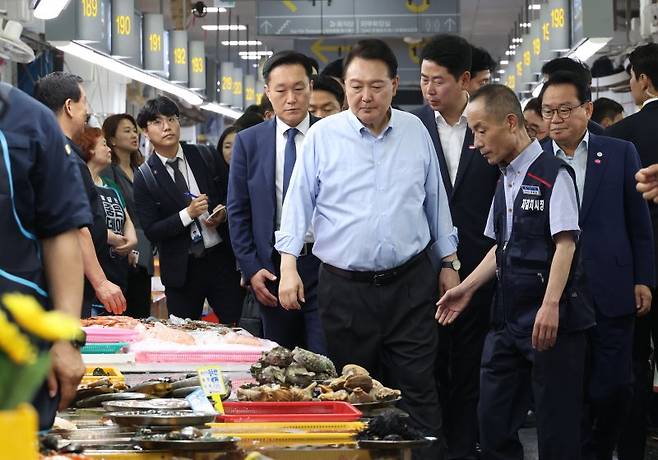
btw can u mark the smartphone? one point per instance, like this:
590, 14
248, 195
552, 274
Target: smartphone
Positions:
218, 212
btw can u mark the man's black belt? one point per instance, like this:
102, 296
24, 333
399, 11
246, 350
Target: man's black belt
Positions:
378, 278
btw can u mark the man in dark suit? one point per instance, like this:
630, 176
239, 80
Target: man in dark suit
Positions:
617, 249
444, 76
261, 167
174, 190
637, 128
566, 64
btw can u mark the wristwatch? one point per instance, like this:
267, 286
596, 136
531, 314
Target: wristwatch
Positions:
455, 264
80, 341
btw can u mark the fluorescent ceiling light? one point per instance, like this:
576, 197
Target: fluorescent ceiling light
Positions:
534, 6
256, 53
501, 71
103, 60
224, 27
588, 48
221, 110
48, 9
242, 43
504, 62
215, 9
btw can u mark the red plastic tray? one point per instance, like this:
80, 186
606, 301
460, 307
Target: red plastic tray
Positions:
307, 411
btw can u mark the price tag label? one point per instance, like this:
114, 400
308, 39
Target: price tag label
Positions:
212, 383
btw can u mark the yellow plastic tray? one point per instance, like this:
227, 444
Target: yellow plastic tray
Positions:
278, 427
289, 439
115, 375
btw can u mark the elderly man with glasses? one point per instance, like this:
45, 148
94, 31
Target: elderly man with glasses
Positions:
617, 250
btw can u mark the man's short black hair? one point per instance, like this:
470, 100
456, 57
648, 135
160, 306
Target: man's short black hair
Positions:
254, 108
315, 65
449, 51
481, 60
334, 69
247, 120
533, 105
55, 88
566, 64
564, 77
372, 49
499, 101
644, 60
154, 108
330, 85
286, 58
266, 104
605, 107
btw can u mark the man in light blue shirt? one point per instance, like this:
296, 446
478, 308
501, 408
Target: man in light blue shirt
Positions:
578, 161
368, 181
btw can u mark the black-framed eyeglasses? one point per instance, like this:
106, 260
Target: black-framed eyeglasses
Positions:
563, 111
159, 122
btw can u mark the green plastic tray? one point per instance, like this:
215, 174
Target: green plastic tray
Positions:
103, 348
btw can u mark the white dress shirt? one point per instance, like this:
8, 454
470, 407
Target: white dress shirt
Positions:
281, 139
210, 236
452, 141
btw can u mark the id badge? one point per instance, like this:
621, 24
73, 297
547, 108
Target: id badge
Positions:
196, 233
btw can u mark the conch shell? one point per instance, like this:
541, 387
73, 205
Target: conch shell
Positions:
354, 369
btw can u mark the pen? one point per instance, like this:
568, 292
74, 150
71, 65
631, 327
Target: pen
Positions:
191, 195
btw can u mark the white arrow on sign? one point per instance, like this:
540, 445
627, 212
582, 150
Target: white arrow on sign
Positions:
451, 23
265, 26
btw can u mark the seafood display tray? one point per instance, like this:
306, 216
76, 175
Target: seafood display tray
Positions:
374, 444
165, 418
307, 411
144, 405
159, 442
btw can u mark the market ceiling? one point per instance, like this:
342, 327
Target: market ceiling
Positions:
485, 23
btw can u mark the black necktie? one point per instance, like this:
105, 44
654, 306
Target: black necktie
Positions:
179, 180
289, 158
197, 247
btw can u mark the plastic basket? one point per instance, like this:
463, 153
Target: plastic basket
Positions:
276, 427
18, 433
103, 348
115, 375
97, 334
307, 411
197, 357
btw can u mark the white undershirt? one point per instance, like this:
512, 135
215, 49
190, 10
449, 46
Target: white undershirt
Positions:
210, 236
452, 141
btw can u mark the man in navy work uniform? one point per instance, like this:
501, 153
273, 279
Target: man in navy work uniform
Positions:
368, 179
63, 93
443, 79
261, 167
617, 250
537, 342
42, 206
176, 189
